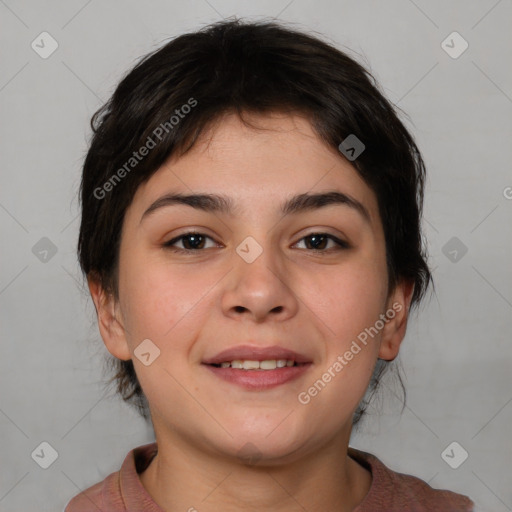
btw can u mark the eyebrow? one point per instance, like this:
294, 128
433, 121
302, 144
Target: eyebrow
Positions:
222, 204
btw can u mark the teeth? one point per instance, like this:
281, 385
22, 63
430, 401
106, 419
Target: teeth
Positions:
250, 365
270, 364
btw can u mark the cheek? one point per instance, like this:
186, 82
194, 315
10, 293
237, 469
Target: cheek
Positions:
348, 303
348, 300
160, 301
167, 306
340, 381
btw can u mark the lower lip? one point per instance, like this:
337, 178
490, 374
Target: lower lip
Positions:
260, 379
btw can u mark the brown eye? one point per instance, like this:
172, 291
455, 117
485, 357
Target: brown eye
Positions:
319, 241
191, 242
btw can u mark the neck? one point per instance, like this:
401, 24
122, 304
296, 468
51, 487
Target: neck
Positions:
183, 477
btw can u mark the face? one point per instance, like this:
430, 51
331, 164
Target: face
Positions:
308, 280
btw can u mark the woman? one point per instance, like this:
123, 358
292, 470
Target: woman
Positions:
251, 238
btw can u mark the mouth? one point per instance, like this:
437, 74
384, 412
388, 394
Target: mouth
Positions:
267, 364
256, 368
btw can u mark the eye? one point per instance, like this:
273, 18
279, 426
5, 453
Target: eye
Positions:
192, 241
318, 241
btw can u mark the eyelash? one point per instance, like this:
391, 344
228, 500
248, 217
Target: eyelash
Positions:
342, 245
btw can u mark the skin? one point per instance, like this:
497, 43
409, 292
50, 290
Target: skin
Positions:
192, 306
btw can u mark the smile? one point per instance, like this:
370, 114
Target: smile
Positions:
248, 364
258, 375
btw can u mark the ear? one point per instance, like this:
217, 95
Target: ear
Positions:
109, 322
393, 333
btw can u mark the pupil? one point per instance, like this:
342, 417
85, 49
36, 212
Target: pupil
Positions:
316, 237
193, 237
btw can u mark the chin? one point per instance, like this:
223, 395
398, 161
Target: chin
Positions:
258, 453
268, 444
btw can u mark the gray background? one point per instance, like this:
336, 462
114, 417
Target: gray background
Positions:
457, 354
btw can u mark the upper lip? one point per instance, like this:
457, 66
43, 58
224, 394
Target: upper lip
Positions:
251, 353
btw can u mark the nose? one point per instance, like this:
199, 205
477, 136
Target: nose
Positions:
260, 290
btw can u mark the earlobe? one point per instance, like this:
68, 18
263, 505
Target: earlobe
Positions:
397, 314
110, 325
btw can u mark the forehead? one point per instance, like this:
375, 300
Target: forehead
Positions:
258, 166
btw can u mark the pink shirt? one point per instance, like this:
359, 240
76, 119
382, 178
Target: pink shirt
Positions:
390, 491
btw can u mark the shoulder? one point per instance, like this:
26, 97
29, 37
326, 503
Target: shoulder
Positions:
94, 498
119, 490
393, 491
